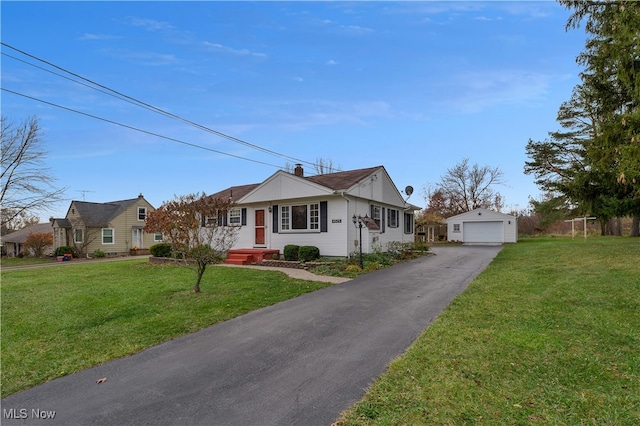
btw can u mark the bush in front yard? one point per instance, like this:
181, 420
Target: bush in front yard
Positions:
291, 252
308, 253
61, 251
161, 250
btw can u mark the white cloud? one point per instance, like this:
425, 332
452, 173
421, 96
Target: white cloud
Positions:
149, 24
216, 47
331, 62
91, 36
144, 58
475, 91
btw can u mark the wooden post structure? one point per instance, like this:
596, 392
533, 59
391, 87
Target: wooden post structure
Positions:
584, 225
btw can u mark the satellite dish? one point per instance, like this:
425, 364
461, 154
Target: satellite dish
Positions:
408, 190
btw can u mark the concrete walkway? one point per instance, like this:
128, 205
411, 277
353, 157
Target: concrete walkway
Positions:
299, 362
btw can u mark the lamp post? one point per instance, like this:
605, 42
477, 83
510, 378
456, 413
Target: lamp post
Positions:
358, 222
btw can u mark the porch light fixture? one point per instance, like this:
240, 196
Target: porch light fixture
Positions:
358, 222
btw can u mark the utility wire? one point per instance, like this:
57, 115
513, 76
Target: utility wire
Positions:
138, 102
136, 128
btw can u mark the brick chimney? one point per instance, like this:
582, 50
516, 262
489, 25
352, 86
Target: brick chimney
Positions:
298, 171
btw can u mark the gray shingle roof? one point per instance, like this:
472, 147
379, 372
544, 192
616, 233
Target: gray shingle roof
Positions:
21, 235
100, 214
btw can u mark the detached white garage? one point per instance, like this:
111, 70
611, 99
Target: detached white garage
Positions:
482, 226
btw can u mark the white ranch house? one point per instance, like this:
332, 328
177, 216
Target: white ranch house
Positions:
290, 208
482, 226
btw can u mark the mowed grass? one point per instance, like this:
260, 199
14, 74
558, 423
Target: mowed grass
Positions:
59, 320
548, 334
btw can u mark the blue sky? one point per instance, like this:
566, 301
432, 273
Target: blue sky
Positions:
413, 86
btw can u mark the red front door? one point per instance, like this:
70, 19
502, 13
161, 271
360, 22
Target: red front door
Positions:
259, 227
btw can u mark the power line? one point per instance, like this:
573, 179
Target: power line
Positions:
136, 128
145, 105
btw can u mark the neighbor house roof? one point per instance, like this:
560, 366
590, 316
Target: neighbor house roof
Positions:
100, 214
22, 235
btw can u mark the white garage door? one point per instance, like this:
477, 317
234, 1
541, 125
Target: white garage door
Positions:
483, 232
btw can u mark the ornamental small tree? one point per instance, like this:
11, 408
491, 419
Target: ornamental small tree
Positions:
193, 224
38, 242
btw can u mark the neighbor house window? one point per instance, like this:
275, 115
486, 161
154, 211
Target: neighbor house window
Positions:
78, 236
157, 236
456, 227
393, 218
107, 236
301, 217
235, 217
142, 213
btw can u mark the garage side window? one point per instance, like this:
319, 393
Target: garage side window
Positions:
456, 227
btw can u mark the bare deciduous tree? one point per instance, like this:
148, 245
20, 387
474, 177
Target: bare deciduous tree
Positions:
25, 181
12, 221
467, 187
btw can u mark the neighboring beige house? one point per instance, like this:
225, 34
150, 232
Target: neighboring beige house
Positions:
115, 228
13, 242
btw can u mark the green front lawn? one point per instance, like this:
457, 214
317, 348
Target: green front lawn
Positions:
7, 262
549, 333
60, 320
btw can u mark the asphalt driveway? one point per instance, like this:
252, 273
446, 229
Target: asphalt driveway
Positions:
300, 362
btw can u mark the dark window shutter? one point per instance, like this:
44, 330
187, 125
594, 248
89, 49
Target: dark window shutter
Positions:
203, 220
244, 216
275, 219
224, 219
371, 211
323, 216
382, 217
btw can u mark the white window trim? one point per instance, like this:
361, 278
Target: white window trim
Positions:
113, 236
409, 226
155, 237
145, 214
286, 219
75, 234
210, 221
235, 217
456, 227
396, 219
376, 215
